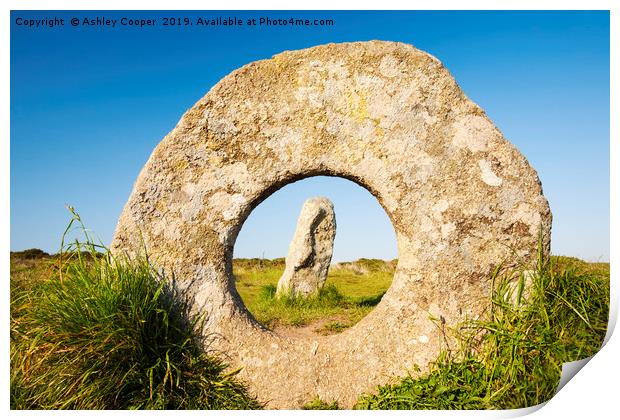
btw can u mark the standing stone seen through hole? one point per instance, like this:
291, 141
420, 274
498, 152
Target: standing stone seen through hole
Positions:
310, 251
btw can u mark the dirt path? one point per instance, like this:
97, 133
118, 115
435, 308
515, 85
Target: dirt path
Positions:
314, 329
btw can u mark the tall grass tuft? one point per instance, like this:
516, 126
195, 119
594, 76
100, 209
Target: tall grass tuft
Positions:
109, 333
512, 358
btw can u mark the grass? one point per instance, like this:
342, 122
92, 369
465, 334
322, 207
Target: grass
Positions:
514, 357
318, 404
348, 295
328, 304
104, 333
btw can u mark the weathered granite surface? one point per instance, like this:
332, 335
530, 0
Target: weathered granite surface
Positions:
310, 251
390, 117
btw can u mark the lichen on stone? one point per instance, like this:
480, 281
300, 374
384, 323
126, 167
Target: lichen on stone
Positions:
385, 115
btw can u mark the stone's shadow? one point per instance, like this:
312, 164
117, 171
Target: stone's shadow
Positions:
371, 300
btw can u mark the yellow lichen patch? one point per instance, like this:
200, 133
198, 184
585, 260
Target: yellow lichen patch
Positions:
179, 165
216, 160
161, 207
379, 132
357, 105
279, 63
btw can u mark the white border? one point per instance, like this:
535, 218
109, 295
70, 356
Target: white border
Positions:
592, 393
311, 5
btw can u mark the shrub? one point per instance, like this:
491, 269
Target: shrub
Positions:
30, 254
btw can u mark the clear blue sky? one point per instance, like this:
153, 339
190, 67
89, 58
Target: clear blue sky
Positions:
89, 105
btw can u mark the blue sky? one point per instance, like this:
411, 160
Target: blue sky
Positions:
88, 105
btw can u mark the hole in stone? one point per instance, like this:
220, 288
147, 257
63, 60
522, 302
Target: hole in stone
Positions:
360, 271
